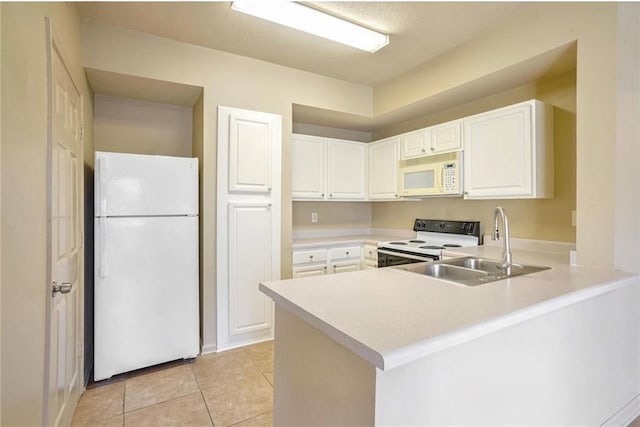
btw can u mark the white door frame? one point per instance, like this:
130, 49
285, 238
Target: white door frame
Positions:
54, 47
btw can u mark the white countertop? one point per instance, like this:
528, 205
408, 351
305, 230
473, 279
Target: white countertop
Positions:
343, 237
391, 317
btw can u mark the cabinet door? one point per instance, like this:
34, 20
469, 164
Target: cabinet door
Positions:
308, 167
309, 271
498, 154
250, 136
414, 144
343, 267
383, 169
250, 249
346, 169
446, 137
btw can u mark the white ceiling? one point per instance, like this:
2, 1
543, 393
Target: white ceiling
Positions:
418, 32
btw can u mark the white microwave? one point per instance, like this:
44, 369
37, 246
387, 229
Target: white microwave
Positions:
439, 175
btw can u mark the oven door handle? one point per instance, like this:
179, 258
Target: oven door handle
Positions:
404, 255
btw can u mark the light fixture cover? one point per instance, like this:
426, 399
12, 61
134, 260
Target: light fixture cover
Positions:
313, 21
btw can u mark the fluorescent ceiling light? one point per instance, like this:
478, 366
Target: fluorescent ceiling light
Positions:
313, 21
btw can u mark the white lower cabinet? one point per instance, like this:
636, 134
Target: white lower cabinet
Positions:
320, 261
308, 270
344, 266
369, 257
309, 263
343, 259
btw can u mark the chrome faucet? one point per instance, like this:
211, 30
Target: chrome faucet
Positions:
506, 246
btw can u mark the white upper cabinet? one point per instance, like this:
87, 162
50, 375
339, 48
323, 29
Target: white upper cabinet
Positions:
415, 144
432, 140
250, 152
328, 169
383, 168
346, 171
508, 153
308, 167
446, 137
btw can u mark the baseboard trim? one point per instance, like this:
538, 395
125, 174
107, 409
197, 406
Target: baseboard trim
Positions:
626, 415
209, 348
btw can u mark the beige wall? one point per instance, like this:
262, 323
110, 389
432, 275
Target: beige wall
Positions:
331, 215
228, 80
125, 125
24, 285
542, 219
599, 98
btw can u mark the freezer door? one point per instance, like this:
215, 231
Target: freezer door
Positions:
136, 184
146, 292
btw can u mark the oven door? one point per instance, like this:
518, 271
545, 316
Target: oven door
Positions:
390, 257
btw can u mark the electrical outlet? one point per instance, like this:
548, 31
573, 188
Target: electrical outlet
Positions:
314, 217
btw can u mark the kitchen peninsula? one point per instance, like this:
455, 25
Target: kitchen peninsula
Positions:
392, 347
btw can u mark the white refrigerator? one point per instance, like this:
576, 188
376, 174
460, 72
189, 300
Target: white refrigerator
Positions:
146, 308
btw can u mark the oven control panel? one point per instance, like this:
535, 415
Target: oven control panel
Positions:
471, 228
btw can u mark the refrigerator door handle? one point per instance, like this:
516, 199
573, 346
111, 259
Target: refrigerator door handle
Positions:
102, 236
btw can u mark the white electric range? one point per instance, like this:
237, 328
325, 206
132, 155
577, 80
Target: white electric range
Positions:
432, 238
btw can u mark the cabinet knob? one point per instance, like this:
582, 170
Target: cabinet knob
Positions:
423, 150
310, 256
433, 149
322, 195
330, 195
466, 193
395, 195
347, 252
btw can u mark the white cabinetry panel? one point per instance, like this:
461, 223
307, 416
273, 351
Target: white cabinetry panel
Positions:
250, 152
309, 271
346, 169
508, 153
383, 169
308, 167
415, 144
446, 137
248, 226
250, 249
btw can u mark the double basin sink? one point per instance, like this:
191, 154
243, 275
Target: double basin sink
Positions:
470, 271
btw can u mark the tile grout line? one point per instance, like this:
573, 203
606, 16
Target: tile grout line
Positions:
202, 397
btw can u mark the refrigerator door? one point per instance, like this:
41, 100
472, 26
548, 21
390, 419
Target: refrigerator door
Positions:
143, 185
146, 292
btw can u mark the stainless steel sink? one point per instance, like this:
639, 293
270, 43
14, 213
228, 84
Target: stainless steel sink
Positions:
487, 265
470, 271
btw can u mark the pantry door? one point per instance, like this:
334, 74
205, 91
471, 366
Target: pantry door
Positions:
64, 341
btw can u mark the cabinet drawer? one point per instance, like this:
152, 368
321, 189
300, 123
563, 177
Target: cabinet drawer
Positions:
371, 252
351, 252
304, 257
344, 266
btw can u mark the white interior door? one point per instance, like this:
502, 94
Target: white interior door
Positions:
65, 328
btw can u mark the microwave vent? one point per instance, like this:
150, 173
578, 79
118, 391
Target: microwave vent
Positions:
437, 158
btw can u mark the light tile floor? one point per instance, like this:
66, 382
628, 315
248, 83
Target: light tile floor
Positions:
233, 388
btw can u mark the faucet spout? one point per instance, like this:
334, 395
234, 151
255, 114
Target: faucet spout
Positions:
498, 214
